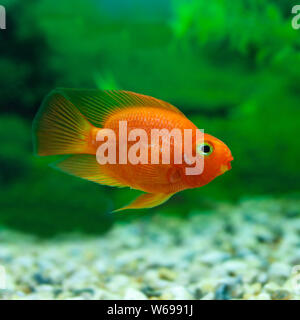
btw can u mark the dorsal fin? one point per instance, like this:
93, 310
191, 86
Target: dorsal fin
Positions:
97, 105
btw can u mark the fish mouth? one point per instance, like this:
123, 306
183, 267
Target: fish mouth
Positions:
228, 163
226, 166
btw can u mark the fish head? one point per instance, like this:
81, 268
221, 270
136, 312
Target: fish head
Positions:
217, 156
217, 159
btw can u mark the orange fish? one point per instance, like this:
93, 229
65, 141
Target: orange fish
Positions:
69, 123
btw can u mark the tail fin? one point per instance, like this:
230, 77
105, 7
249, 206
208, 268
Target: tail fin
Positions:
60, 128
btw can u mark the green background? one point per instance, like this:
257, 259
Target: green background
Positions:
233, 67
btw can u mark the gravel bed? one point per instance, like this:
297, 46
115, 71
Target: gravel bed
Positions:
246, 251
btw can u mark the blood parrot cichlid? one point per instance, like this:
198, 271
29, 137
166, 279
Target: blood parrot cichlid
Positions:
69, 123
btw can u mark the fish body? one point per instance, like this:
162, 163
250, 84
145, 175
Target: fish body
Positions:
70, 122
149, 177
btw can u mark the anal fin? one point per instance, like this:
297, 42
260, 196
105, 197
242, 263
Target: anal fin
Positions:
86, 167
147, 200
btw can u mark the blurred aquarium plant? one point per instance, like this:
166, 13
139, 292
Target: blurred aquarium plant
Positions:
233, 67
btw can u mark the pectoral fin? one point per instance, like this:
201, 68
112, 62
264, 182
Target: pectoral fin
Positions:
147, 200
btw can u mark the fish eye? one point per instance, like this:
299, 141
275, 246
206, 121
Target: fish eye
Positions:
205, 149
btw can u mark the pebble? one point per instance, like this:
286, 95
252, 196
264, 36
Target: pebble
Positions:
133, 294
167, 274
178, 293
214, 257
280, 295
223, 292
279, 270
